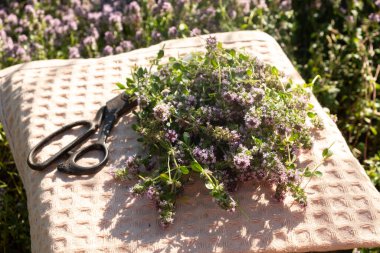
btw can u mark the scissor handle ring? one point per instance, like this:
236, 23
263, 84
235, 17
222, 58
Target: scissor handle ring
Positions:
41, 166
71, 166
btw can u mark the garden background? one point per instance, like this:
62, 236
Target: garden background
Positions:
336, 39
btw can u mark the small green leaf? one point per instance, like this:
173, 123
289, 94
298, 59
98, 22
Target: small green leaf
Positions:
120, 85
214, 63
232, 52
274, 71
243, 57
160, 54
310, 106
307, 173
195, 166
140, 72
130, 81
164, 176
186, 138
184, 170
326, 153
177, 66
317, 173
373, 130
311, 114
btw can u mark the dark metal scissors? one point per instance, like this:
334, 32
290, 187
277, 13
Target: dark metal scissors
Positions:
105, 118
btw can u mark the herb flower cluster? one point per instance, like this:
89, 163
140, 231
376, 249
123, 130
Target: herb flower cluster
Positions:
223, 116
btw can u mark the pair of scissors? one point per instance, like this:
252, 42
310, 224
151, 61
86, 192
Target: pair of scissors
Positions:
105, 119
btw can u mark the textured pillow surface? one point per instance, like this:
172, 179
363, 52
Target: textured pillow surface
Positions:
94, 214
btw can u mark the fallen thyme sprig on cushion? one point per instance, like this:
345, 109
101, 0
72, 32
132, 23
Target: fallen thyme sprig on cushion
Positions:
222, 115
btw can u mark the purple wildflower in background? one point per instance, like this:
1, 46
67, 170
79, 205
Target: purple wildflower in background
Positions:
139, 35
108, 50
74, 53
73, 25
156, 36
22, 38
195, 32
12, 19
115, 19
107, 8
171, 135
109, 37
119, 50
3, 14
374, 17
172, 32
127, 45
94, 17
350, 19
94, 32
161, 112
29, 10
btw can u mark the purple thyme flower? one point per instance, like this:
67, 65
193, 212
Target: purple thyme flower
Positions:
94, 32
109, 37
74, 52
204, 156
172, 32
107, 8
211, 43
260, 174
171, 135
119, 50
127, 45
30, 10
156, 36
152, 193
162, 111
115, 19
350, 19
73, 25
166, 7
374, 17
22, 38
94, 17
108, 50
251, 122
134, 7
12, 19
132, 164
229, 96
195, 32
89, 41
242, 161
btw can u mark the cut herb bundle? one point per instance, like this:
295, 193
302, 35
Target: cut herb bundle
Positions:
222, 115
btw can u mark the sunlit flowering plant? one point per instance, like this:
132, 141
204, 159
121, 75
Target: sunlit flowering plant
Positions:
223, 116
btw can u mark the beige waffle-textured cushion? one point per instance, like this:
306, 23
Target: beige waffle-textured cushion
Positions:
93, 214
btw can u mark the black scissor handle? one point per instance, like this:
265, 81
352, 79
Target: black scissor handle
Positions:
90, 126
71, 167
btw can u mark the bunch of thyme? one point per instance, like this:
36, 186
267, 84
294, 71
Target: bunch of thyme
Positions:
222, 115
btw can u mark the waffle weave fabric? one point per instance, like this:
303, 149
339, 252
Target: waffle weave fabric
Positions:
94, 214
